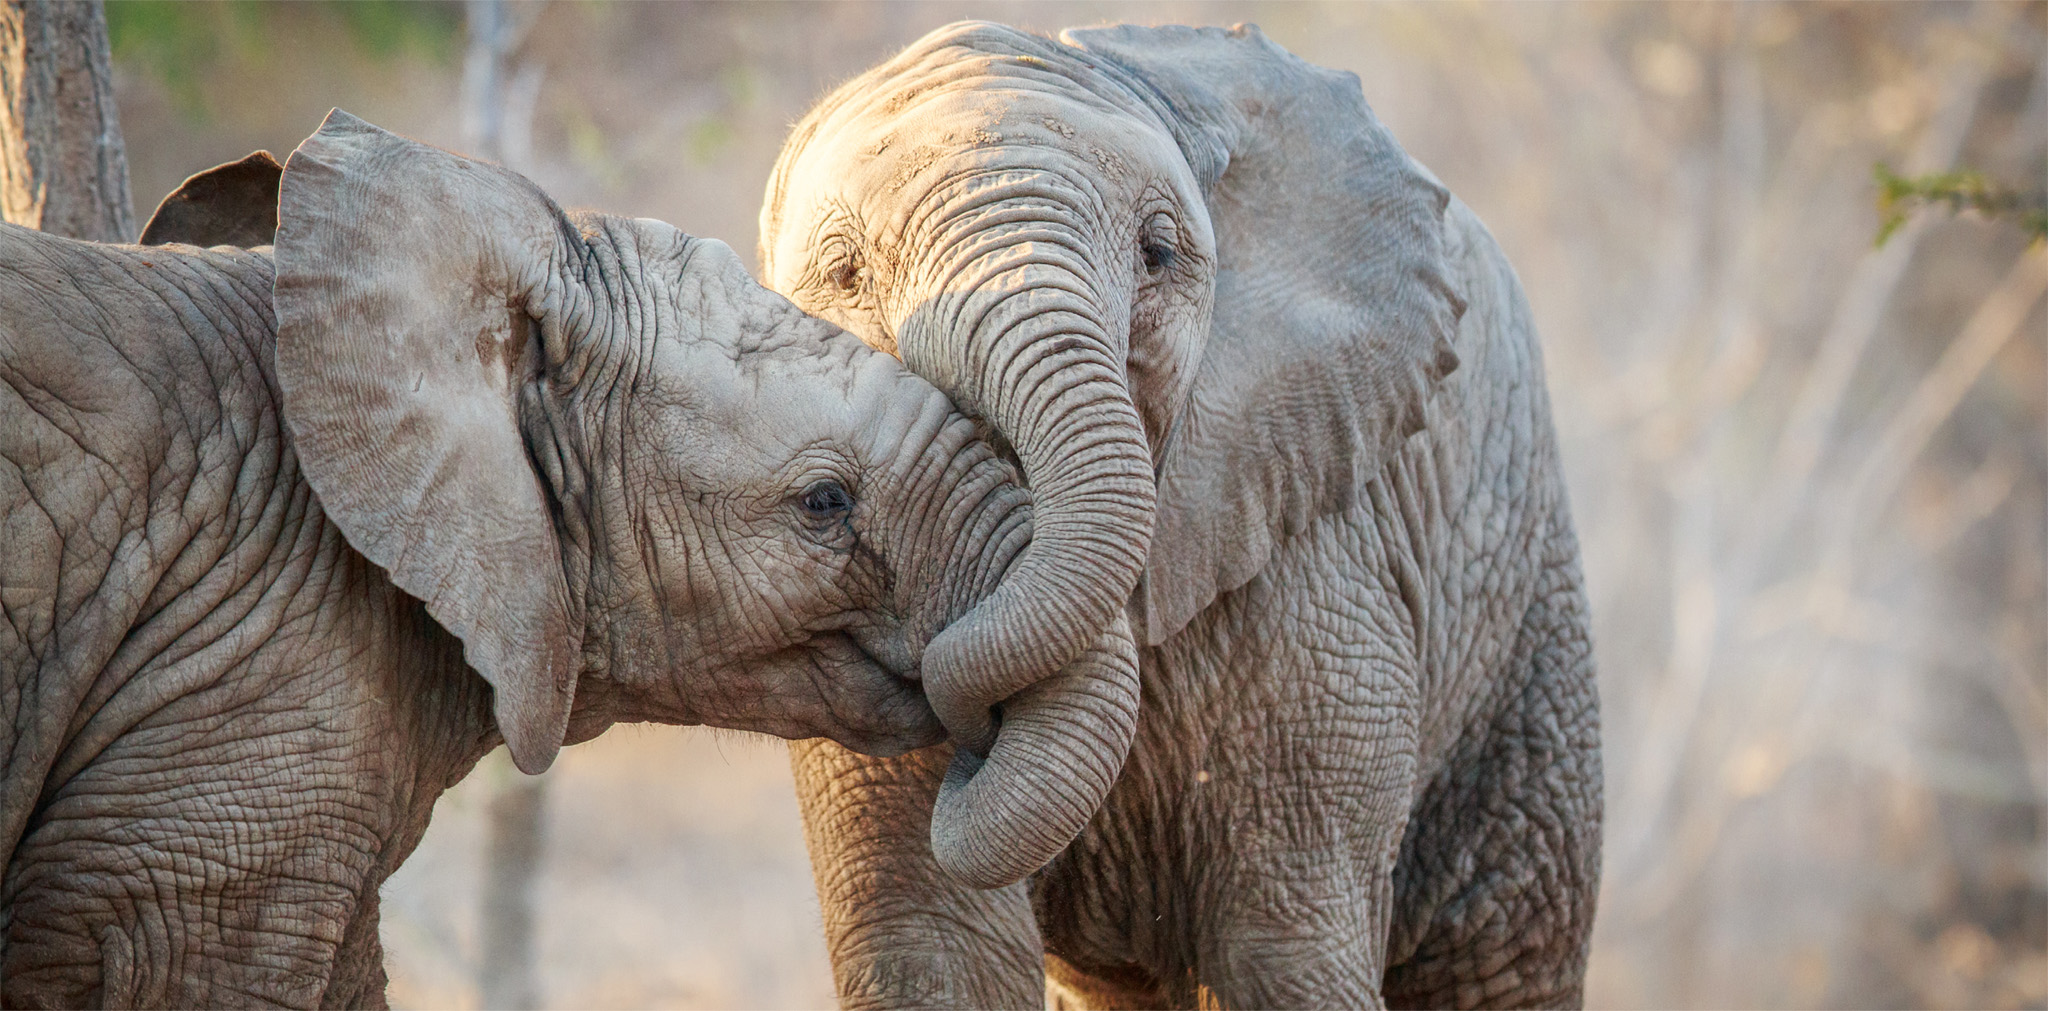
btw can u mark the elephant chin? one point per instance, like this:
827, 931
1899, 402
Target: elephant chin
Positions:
1061, 746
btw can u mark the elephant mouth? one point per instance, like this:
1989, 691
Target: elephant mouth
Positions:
877, 708
826, 686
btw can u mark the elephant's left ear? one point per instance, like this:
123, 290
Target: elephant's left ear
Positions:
1334, 314
227, 205
420, 296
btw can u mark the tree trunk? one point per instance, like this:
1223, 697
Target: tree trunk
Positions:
62, 165
508, 978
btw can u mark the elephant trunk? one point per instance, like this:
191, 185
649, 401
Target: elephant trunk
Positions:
1039, 367
1063, 742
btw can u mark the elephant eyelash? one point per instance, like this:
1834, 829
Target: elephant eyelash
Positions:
827, 507
1158, 248
841, 265
847, 276
827, 500
1158, 257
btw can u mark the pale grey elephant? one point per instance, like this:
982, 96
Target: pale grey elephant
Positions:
1279, 400
272, 582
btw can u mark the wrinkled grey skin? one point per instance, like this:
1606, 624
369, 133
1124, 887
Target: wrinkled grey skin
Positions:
1367, 766
273, 583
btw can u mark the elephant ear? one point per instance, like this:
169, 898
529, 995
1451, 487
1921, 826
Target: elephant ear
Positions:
228, 205
415, 292
1334, 313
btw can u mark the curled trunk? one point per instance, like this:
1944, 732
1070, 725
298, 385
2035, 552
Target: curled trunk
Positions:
1050, 644
1063, 742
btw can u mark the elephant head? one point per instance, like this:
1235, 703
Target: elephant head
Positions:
635, 483
1188, 277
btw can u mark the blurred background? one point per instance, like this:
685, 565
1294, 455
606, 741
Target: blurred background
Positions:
1810, 473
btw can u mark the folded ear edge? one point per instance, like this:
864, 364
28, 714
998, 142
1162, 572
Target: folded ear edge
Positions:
232, 204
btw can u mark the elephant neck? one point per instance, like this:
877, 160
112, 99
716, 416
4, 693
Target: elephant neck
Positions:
324, 619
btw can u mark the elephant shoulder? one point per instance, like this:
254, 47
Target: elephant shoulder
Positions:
1497, 310
1498, 394
120, 354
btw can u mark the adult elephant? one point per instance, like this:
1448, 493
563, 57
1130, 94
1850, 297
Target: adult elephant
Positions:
274, 582
1367, 765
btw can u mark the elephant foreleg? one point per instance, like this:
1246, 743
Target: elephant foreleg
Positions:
1297, 928
900, 932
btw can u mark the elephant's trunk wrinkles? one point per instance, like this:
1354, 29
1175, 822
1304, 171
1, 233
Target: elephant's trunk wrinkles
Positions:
1040, 369
1063, 742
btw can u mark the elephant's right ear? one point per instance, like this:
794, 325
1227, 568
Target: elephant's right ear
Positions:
417, 295
1334, 312
227, 205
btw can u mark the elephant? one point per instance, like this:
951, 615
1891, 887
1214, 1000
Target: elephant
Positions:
234, 204
292, 536
1280, 403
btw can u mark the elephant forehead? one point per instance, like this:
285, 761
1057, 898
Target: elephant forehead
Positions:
799, 379
719, 378
730, 442
691, 301
979, 54
972, 134
985, 103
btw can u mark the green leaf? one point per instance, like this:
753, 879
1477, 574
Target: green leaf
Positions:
1960, 190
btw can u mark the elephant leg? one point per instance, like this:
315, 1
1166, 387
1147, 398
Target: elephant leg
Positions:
1299, 844
193, 885
358, 979
1071, 988
900, 932
1298, 929
1500, 866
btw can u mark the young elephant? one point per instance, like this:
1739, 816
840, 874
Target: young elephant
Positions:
248, 563
1367, 766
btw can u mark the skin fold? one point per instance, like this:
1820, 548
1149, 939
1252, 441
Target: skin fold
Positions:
1366, 767
290, 537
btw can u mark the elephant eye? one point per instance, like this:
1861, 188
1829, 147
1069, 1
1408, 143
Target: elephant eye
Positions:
845, 275
1158, 257
826, 500
1157, 245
